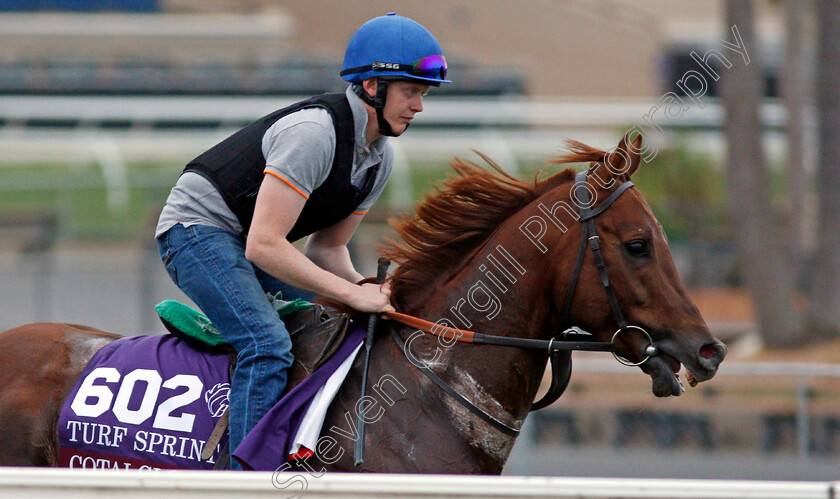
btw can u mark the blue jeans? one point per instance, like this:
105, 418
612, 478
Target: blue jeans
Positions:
210, 267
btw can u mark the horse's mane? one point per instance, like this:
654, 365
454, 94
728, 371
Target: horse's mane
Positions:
463, 212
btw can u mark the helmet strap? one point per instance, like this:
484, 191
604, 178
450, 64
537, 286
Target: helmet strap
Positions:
378, 104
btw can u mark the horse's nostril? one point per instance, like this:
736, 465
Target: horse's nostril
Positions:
707, 351
710, 350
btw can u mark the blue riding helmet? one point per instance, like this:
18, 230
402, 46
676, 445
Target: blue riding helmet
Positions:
394, 47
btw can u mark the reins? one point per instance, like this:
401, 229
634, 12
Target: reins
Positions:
570, 339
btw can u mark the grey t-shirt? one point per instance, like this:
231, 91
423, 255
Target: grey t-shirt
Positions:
299, 149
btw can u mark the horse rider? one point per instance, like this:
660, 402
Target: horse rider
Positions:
312, 169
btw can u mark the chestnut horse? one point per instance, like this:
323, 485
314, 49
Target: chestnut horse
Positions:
488, 253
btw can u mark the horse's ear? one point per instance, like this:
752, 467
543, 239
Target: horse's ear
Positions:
635, 151
623, 160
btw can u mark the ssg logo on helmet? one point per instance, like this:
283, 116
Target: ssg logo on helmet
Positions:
385, 65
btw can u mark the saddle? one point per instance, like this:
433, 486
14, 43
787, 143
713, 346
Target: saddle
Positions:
316, 333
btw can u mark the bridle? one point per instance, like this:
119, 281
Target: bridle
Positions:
589, 236
559, 347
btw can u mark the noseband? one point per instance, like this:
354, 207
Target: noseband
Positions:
560, 347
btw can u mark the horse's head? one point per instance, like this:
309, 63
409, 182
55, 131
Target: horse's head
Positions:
640, 271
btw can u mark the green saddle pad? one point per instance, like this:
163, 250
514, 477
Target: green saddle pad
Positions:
196, 325
189, 321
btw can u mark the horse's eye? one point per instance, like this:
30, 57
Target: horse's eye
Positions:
637, 248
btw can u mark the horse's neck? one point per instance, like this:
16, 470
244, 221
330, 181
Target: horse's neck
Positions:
503, 289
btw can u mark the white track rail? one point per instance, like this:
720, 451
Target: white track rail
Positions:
31, 483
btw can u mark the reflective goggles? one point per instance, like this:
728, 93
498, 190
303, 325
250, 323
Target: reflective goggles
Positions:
433, 67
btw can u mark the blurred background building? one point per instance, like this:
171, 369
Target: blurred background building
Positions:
536, 48
102, 102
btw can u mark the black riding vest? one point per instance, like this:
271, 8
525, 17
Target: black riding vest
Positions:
236, 165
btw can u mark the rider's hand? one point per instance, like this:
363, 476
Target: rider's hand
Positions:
372, 298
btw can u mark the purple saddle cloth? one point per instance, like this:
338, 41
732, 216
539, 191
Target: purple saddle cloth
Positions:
151, 402
144, 402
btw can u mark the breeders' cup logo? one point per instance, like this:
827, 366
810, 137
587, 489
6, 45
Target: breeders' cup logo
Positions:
217, 399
